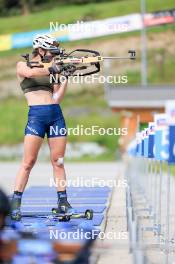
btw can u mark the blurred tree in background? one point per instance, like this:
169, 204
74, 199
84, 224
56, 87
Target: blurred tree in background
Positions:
24, 7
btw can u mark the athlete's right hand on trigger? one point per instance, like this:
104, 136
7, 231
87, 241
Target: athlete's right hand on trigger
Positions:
55, 68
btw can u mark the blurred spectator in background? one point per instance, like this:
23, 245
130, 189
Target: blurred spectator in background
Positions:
4, 208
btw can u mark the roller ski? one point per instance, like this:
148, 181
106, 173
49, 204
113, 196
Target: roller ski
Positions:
88, 215
61, 216
65, 213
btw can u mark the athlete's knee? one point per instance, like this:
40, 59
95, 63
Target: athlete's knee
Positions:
58, 161
28, 164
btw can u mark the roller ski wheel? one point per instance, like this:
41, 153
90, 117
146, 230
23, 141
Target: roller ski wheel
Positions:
62, 217
89, 214
55, 211
63, 212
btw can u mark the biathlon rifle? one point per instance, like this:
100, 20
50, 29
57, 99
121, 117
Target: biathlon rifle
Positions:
76, 64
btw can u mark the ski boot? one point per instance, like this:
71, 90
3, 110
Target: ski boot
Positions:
64, 207
15, 208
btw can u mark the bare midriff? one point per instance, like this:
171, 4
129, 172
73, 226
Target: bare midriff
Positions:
39, 97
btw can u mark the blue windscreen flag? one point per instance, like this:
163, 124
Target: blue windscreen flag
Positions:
161, 137
151, 138
146, 143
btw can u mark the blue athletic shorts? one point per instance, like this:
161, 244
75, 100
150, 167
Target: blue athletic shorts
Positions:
46, 119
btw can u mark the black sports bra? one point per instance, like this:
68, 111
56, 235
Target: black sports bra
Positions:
37, 83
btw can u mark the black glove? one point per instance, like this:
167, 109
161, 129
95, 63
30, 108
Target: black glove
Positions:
68, 70
55, 68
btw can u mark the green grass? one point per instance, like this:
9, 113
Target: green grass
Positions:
72, 13
13, 116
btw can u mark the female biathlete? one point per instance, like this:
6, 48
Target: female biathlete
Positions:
44, 117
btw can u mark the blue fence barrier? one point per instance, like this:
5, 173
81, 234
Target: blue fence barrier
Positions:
151, 190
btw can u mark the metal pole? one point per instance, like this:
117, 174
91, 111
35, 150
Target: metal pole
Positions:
107, 65
152, 187
155, 194
144, 78
168, 215
160, 200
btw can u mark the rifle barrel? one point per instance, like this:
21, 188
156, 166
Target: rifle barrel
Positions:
118, 58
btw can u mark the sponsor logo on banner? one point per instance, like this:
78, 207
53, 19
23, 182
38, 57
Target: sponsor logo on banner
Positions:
20, 40
5, 42
160, 18
107, 27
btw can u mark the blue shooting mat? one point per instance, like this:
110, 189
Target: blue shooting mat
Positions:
70, 195
34, 189
47, 209
28, 221
75, 201
38, 201
71, 192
